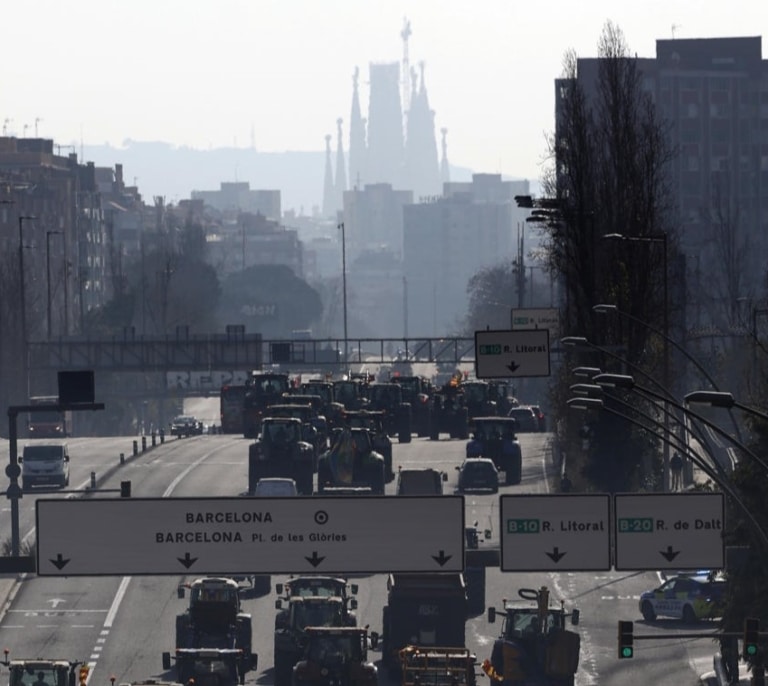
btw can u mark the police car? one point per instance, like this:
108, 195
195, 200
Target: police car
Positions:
689, 597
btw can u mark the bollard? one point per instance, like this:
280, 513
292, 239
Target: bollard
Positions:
122, 458
135, 448
162, 436
154, 439
143, 444
93, 479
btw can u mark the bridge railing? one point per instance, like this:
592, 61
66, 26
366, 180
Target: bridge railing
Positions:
238, 351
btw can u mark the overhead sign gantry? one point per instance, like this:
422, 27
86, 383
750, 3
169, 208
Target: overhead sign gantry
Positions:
349, 534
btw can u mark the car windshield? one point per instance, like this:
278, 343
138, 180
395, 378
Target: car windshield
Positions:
39, 453
317, 614
481, 468
37, 676
325, 649
275, 488
280, 431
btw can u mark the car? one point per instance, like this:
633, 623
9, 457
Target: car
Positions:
275, 487
540, 417
45, 464
689, 597
426, 481
186, 425
478, 474
525, 418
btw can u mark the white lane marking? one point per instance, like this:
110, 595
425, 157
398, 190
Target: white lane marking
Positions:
123, 587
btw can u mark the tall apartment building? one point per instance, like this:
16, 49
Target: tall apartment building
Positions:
713, 94
52, 214
238, 196
449, 239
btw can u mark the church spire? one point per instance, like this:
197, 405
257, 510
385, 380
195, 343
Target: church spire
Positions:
422, 166
445, 170
357, 145
341, 173
329, 200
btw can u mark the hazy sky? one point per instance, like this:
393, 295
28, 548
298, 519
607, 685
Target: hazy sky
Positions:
213, 73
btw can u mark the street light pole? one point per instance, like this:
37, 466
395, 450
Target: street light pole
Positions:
344, 288
22, 294
48, 235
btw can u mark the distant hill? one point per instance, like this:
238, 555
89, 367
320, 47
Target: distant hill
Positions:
159, 168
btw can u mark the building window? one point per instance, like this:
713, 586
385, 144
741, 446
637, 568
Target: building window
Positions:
690, 131
690, 184
693, 163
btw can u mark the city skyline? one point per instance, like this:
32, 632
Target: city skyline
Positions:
276, 76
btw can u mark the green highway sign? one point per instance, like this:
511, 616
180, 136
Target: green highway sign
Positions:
555, 532
657, 531
503, 354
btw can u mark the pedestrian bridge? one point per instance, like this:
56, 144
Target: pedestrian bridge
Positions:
238, 351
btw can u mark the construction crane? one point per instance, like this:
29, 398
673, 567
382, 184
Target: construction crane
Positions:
58, 147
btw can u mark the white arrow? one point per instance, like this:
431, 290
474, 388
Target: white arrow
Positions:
55, 602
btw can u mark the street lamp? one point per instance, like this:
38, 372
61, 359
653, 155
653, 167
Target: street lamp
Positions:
657, 238
715, 473
48, 235
721, 399
591, 372
344, 288
628, 382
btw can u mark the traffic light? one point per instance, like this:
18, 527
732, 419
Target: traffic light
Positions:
125, 489
751, 637
626, 640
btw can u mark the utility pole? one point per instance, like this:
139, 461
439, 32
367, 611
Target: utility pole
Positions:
48, 235
344, 287
23, 298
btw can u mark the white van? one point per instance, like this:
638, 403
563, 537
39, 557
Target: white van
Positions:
45, 464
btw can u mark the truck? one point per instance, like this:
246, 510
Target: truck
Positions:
336, 656
423, 609
214, 617
295, 614
54, 672
535, 648
48, 421
437, 666
280, 451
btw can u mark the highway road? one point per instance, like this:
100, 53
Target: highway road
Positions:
121, 625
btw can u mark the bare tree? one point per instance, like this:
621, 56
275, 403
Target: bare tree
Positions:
609, 176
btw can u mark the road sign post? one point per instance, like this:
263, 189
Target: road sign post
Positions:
133, 536
657, 531
500, 354
565, 533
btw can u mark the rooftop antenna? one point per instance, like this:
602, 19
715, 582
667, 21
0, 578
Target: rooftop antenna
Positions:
404, 79
26, 126
37, 120
6, 121
674, 29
